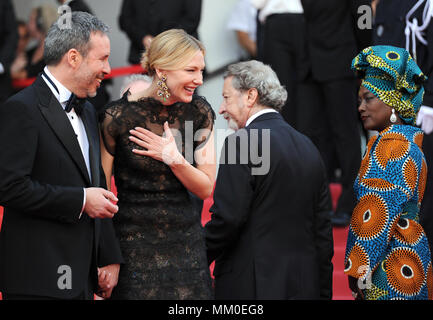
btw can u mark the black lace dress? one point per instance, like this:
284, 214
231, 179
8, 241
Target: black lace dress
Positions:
160, 232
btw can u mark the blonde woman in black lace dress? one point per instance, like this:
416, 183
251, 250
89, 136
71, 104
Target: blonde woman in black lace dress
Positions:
159, 143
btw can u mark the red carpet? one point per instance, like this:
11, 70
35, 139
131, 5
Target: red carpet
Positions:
340, 288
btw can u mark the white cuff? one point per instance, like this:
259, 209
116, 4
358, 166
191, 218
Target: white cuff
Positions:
84, 204
2, 69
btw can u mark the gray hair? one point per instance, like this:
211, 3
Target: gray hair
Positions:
76, 36
133, 78
254, 74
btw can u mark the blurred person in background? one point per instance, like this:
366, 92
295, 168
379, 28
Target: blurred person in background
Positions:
142, 20
24, 37
283, 47
327, 95
135, 83
8, 45
243, 21
76, 5
30, 63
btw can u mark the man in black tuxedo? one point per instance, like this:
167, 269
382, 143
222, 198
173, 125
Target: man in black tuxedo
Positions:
57, 227
142, 20
270, 232
8, 43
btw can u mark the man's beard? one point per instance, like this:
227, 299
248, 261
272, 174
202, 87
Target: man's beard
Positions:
231, 123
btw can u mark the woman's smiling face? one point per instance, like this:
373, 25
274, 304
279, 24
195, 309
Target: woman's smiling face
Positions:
182, 83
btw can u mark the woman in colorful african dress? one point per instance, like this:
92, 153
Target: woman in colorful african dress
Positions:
387, 253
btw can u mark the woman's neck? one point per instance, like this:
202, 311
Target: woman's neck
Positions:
151, 92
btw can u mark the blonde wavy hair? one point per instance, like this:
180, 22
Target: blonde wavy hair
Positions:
170, 50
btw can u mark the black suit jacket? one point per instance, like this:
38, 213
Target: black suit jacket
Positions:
8, 44
42, 176
389, 29
79, 5
271, 234
151, 17
333, 36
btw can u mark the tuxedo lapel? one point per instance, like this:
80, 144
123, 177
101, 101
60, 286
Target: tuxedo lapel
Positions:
58, 121
93, 138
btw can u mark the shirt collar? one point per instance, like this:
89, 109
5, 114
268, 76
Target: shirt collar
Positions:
64, 94
257, 114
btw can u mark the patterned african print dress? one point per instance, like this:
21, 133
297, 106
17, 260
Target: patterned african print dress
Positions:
387, 247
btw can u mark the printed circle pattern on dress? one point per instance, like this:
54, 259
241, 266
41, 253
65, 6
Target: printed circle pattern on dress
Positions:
392, 55
391, 147
405, 271
410, 174
418, 138
378, 184
379, 286
366, 159
365, 167
422, 181
357, 262
408, 232
370, 217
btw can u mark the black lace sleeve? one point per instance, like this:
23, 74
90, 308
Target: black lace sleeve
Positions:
111, 123
205, 120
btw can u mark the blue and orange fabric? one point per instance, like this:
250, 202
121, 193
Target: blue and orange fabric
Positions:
387, 248
392, 76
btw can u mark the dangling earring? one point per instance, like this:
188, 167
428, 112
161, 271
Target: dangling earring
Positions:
393, 117
163, 92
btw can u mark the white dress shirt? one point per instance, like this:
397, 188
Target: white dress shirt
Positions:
243, 18
257, 114
77, 124
268, 7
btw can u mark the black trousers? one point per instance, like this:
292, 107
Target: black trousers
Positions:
285, 50
327, 114
7, 296
87, 294
20, 297
426, 211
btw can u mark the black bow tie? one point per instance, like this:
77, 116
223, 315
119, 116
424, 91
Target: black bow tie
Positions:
76, 103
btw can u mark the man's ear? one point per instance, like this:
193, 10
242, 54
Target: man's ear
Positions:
252, 96
74, 58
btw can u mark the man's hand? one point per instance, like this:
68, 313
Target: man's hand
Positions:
107, 279
98, 203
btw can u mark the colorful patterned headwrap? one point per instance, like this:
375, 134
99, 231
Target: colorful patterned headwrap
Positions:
392, 75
